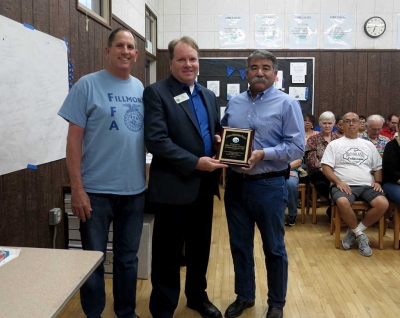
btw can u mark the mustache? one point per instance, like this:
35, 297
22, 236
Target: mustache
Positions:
259, 79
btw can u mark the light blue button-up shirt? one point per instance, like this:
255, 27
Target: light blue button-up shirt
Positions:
278, 126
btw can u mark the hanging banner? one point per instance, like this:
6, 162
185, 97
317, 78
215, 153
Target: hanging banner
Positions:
338, 31
268, 31
233, 31
303, 31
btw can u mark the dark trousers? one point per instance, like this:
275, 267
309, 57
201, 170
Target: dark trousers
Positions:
174, 226
262, 203
126, 212
320, 182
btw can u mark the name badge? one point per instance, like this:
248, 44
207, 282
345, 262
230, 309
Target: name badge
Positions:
181, 98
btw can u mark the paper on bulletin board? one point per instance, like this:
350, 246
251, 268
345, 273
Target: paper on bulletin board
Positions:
213, 86
300, 93
303, 31
298, 68
268, 33
298, 79
222, 111
233, 31
279, 83
338, 31
232, 90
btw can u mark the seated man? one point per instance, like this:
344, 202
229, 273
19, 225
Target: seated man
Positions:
361, 129
374, 126
347, 162
390, 128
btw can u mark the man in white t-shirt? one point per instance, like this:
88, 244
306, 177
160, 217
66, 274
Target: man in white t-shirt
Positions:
354, 167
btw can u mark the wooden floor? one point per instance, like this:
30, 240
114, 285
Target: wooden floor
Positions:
323, 281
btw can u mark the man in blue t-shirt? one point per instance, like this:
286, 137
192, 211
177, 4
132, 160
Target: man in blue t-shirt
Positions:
106, 165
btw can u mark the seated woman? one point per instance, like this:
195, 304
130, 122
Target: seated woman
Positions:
293, 192
315, 148
309, 125
391, 169
339, 126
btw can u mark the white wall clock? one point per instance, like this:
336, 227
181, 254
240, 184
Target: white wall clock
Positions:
375, 27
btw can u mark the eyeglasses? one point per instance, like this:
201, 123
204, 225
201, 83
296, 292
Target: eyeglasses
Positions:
375, 129
348, 121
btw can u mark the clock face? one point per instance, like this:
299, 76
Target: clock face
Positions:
375, 27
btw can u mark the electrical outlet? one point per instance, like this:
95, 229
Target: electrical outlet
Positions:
55, 216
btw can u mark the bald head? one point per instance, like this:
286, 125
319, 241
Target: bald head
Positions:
351, 124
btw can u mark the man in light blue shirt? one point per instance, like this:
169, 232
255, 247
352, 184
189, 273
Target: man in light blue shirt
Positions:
106, 165
258, 194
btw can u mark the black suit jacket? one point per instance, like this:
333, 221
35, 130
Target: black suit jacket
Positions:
173, 137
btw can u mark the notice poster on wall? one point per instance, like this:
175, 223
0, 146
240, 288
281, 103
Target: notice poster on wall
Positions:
303, 31
338, 31
268, 31
233, 31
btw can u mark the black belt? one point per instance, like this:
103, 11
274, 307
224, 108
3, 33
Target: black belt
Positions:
266, 175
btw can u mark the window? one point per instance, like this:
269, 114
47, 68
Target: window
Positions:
99, 10
151, 32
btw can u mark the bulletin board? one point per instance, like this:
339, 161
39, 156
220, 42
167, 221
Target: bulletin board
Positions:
228, 71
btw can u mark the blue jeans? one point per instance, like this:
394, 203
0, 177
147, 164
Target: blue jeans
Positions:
293, 194
261, 202
392, 191
126, 212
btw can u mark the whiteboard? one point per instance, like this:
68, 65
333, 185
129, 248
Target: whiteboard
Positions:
33, 86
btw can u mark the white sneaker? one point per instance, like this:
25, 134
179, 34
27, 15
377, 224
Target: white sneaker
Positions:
363, 245
348, 240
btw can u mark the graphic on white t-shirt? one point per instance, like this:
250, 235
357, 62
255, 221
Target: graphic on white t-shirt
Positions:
353, 156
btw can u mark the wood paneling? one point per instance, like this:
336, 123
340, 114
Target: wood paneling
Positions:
349, 84
363, 81
41, 15
26, 196
27, 14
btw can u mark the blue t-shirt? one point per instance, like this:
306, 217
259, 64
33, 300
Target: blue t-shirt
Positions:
113, 151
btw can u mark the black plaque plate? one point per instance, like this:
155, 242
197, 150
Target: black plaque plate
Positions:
236, 146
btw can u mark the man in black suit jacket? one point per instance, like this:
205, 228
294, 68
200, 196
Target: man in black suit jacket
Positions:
181, 130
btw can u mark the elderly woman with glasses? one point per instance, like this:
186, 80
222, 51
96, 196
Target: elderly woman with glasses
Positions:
315, 148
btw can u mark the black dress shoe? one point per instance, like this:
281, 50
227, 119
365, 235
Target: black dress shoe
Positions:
237, 307
206, 309
274, 312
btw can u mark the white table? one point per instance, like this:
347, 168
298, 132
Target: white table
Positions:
39, 282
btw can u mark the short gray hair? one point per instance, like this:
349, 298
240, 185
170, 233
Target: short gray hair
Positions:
375, 117
263, 55
327, 116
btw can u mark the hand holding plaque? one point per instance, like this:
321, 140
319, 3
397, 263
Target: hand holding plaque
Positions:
236, 146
